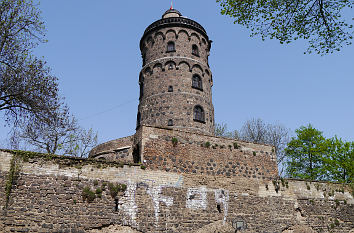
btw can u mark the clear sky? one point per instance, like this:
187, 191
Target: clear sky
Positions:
93, 49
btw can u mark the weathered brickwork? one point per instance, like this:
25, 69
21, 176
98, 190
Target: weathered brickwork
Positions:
115, 150
185, 152
47, 197
167, 96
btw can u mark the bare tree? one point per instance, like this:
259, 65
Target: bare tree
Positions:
52, 133
254, 130
278, 136
83, 143
221, 130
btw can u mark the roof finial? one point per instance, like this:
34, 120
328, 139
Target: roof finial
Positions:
171, 5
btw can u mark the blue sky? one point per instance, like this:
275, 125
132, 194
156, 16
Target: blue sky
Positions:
93, 49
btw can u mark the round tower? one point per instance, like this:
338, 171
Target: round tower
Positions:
176, 81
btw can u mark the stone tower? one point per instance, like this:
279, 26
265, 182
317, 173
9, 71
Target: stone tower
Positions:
176, 81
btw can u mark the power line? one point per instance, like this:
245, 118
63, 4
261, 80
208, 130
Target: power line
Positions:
108, 110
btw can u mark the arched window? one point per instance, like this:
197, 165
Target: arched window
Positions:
138, 120
195, 50
141, 90
170, 88
199, 114
170, 122
197, 82
171, 46
170, 66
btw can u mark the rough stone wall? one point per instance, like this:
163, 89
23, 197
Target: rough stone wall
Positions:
47, 197
116, 150
163, 70
192, 154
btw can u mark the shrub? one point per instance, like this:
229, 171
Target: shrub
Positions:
95, 182
99, 192
88, 195
115, 189
174, 141
143, 167
207, 144
254, 153
235, 145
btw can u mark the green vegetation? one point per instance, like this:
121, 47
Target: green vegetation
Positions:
236, 145
11, 178
276, 185
115, 189
88, 195
311, 156
99, 192
207, 144
321, 23
174, 141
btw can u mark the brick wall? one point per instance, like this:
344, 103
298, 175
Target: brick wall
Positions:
206, 155
47, 197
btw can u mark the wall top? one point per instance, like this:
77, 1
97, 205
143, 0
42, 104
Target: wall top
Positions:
173, 18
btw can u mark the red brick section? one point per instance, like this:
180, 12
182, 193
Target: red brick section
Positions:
192, 155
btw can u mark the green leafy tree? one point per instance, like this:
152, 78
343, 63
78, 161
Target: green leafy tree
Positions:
26, 85
318, 21
305, 154
339, 161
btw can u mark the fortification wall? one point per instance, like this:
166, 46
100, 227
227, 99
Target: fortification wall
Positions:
47, 196
116, 150
184, 152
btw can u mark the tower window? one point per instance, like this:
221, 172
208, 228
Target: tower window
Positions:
144, 59
199, 114
170, 89
141, 90
170, 66
170, 122
195, 50
197, 82
171, 46
138, 120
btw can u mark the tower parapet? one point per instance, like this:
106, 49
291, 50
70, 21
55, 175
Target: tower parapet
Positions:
175, 80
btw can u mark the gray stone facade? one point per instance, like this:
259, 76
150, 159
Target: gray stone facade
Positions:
175, 51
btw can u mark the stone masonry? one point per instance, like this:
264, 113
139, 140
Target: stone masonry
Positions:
168, 96
47, 196
173, 174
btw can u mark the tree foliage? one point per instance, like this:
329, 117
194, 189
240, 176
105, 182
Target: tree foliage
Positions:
339, 161
29, 95
26, 85
318, 21
312, 156
305, 154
